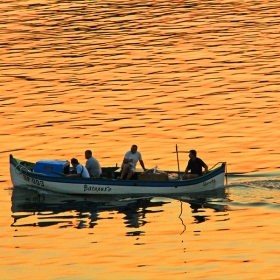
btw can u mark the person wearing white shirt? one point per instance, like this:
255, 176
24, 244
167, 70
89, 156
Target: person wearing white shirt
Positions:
92, 165
129, 162
81, 170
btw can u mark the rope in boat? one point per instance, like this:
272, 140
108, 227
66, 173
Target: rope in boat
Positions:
21, 167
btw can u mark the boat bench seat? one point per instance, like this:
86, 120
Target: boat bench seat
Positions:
137, 172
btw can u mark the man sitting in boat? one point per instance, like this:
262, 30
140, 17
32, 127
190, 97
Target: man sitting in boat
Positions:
195, 165
92, 165
129, 162
81, 170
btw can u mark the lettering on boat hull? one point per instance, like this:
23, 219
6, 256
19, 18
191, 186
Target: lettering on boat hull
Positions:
36, 182
96, 189
213, 181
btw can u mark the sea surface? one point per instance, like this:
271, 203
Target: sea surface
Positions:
103, 75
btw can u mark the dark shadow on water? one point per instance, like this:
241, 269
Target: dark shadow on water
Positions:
35, 208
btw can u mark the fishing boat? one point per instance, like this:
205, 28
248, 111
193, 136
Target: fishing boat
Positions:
51, 175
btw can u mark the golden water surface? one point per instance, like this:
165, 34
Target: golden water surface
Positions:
103, 75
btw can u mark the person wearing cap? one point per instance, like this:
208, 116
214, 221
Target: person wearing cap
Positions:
195, 165
81, 170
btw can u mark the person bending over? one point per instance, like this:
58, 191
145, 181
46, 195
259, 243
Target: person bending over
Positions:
81, 170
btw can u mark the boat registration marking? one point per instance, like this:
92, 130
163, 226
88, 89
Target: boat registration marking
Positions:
34, 181
213, 181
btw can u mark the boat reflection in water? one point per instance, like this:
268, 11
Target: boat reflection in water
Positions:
32, 207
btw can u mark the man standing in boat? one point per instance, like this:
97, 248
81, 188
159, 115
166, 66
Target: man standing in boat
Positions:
92, 165
81, 170
195, 165
129, 162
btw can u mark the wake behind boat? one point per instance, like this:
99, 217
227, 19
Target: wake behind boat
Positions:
51, 175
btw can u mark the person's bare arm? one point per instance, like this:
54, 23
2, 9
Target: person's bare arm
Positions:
185, 174
73, 175
127, 160
142, 164
206, 167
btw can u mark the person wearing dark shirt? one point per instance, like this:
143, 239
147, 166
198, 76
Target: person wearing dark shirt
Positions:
195, 165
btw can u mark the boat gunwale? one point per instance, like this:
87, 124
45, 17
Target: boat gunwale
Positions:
111, 181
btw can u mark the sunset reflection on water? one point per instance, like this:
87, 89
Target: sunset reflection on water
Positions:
103, 75
145, 74
154, 74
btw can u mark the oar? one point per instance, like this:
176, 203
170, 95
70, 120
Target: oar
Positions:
178, 160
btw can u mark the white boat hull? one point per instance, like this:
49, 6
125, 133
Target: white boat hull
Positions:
71, 185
